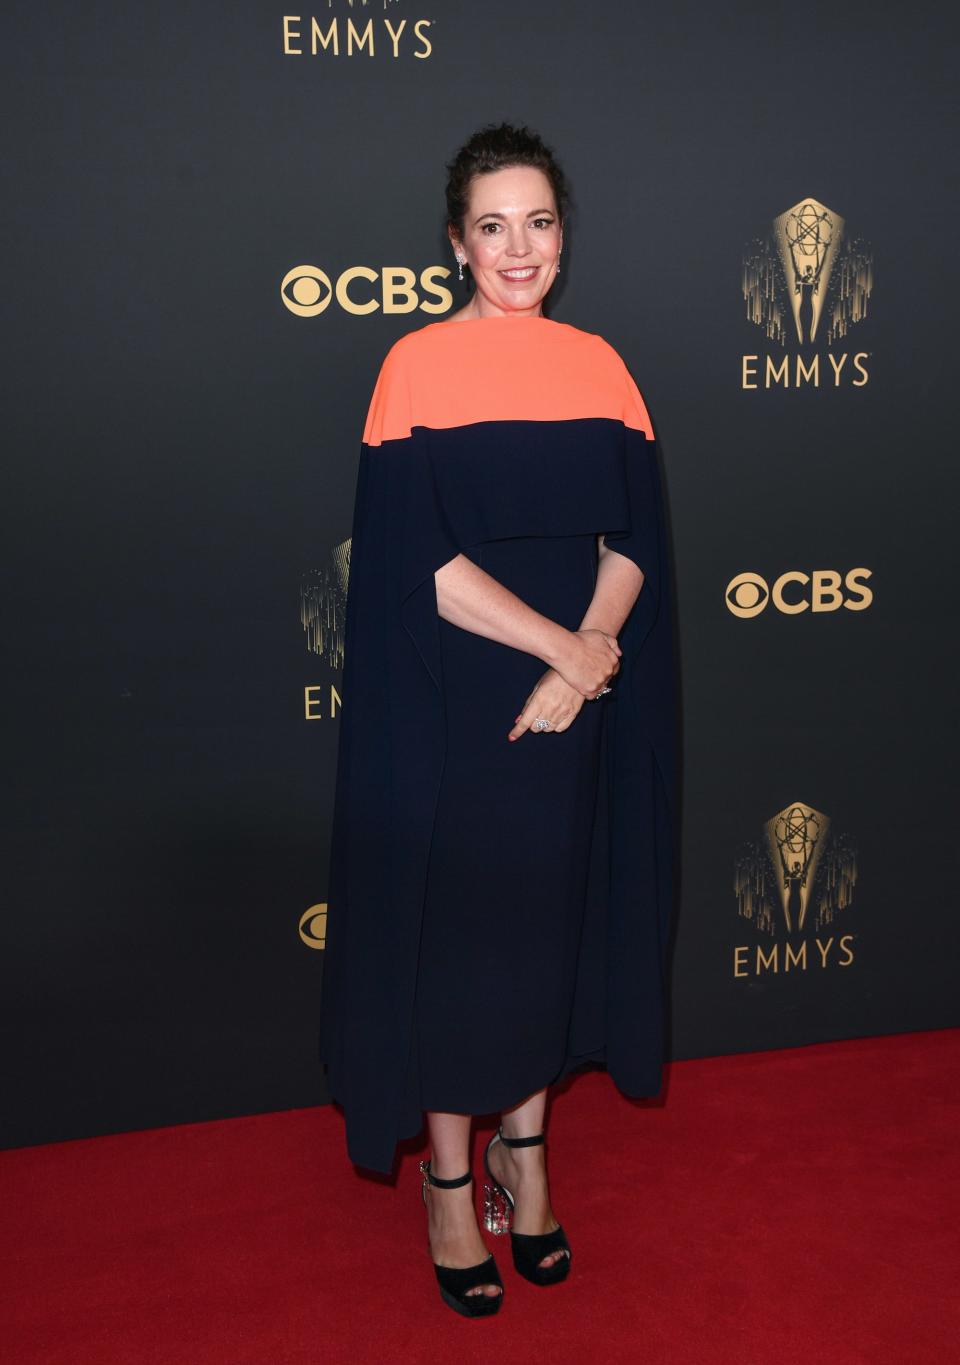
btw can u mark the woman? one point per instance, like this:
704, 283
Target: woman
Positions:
502, 847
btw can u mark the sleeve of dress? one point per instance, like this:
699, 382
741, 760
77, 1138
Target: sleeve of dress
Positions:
646, 638
643, 768
401, 510
389, 761
643, 541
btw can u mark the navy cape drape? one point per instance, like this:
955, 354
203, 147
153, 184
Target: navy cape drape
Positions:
420, 500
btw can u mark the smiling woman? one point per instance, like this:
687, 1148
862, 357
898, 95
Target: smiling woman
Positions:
505, 221
506, 769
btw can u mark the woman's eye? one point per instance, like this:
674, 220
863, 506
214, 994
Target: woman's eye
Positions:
536, 222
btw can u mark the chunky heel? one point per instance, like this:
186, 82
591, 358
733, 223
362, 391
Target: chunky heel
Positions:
528, 1249
455, 1281
497, 1208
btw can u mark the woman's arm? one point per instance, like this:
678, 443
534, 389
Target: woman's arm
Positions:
469, 597
618, 585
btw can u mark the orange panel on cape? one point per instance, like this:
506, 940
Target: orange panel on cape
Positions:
450, 374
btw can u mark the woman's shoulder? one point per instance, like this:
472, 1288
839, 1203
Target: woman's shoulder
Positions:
427, 340
438, 372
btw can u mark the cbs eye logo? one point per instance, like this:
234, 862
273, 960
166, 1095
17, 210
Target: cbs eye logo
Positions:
306, 291
795, 592
313, 926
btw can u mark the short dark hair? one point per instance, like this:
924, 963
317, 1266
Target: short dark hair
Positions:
494, 147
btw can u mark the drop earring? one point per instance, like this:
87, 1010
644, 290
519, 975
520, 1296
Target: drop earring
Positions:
459, 267
558, 261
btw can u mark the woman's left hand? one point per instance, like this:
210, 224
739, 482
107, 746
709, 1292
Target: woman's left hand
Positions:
555, 700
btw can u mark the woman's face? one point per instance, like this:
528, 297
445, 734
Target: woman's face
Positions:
511, 239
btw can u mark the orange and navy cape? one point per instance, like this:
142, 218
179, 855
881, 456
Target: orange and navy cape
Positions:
480, 430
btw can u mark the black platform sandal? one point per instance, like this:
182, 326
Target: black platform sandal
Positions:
528, 1248
454, 1281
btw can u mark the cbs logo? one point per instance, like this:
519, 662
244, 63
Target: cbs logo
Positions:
793, 592
313, 926
307, 291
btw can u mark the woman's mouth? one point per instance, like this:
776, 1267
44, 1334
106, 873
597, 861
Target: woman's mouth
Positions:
522, 275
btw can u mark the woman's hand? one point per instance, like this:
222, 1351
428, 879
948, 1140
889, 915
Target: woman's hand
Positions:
590, 659
555, 700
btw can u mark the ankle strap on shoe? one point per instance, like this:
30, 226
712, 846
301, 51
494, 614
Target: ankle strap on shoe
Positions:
444, 1184
521, 1141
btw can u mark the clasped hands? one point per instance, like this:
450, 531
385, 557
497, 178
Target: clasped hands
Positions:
590, 659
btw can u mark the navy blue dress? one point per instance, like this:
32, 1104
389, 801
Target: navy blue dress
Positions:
508, 873
497, 911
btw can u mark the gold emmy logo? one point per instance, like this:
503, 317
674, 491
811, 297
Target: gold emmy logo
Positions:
796, 879
348, 39
794, 592
306, 290
313, 926
807, 279
323, 615
323, 605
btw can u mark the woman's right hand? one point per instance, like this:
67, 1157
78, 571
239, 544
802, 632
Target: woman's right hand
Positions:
589, 660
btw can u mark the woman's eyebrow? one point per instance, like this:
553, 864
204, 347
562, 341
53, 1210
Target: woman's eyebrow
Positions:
532, 214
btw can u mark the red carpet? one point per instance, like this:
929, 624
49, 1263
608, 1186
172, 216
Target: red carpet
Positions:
779, 1207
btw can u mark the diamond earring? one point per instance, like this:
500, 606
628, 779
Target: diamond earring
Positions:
459, 267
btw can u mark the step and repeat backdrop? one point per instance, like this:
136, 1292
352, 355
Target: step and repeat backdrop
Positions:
219, 218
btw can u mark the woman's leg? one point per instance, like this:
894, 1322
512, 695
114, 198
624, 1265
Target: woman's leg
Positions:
524, 1170
455, 1238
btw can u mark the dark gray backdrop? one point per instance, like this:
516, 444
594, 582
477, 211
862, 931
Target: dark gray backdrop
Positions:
180, 461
